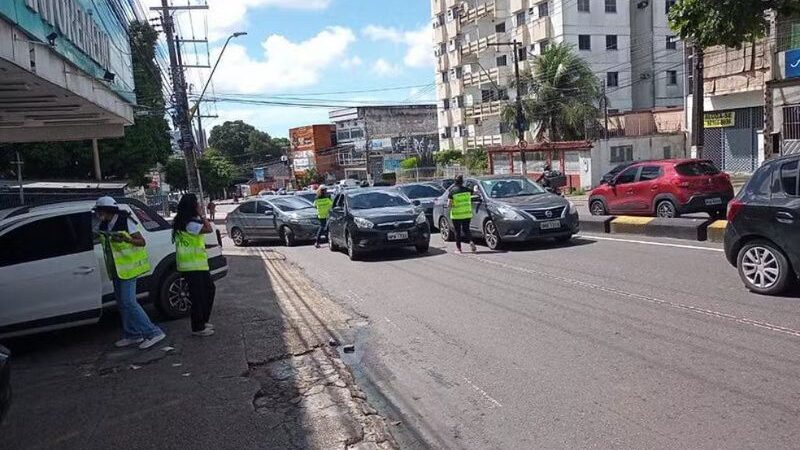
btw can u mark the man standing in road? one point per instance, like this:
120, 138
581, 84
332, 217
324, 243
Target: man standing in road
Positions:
323, 204
460, 204
212, 209
126, 260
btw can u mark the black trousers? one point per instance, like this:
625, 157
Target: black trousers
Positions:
201, 292
462, 232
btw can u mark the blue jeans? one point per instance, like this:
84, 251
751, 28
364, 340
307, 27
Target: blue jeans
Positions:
135, 323
323, 228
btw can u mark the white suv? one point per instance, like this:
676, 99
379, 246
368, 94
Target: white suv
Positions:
52, 273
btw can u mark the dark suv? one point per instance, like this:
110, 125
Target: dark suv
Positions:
762, 238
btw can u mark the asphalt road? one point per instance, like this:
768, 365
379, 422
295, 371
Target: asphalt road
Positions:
601, 344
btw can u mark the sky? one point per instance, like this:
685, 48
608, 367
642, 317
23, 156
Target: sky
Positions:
309, 49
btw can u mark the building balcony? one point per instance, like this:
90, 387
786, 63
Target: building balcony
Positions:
478, 45
486, 109
443, 90
456, 116
485, 140
473, 14
540, 29
481, 77
439, 34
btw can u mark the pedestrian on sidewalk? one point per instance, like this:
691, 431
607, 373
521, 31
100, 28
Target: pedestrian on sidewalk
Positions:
126, 259
323, 203
188, 229
460, 204
212, 209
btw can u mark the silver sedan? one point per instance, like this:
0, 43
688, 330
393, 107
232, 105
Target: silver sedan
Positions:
291, 219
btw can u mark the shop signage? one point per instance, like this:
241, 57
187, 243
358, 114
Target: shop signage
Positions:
719, 119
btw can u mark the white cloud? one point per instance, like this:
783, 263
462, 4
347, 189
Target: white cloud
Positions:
384, 68
349, 63
419, 46
275, 120
284, 64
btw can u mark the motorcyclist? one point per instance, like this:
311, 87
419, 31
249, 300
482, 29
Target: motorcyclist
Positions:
544, 178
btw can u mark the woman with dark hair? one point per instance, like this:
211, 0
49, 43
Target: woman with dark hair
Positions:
188, 229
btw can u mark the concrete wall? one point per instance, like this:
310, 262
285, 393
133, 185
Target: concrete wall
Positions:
644, 147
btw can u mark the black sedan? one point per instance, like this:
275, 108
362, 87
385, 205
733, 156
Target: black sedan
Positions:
5, 382
369, 219
426, 194
513, 209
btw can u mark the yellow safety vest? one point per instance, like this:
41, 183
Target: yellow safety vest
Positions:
323, 205
129, 261
462, 206
190, 252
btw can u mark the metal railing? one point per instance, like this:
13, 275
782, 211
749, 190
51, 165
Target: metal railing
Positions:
432, 173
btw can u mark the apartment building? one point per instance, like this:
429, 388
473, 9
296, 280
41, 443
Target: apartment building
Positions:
627, 44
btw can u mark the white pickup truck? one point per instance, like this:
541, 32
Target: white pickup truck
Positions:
52, 273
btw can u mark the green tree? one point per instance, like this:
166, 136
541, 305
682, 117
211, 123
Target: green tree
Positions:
448, 157
216, 171
175, 173
476, 160
309, 177
563, 94
241, 142
409, 163
725, 22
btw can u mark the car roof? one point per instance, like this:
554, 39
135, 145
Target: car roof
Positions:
497, 177
780, 159
58, 207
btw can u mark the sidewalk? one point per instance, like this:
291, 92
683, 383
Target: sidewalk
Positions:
267, 379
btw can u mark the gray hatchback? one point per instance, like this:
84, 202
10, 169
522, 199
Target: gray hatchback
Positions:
290, 218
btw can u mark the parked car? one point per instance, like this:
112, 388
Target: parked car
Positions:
53, 275
425, 193
290, 218
368, 219
666, 188
611, 174
266, 193
159, 205
5, 382
512, 209
762, 238
308, 195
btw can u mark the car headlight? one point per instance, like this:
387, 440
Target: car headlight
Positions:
572, 208
509, 213
363, 223
421, 218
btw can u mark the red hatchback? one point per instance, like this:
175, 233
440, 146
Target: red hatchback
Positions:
666, 188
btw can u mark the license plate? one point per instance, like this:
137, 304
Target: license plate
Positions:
713, 201
550, 225
397, 236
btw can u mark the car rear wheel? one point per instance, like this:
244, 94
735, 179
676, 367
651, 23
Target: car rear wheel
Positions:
763, 268
491, 235
598, 208
444, 230
238, 237
288, 237
352, 252
666, 209
173, 300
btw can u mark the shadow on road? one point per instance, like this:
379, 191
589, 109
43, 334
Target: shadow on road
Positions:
399, 254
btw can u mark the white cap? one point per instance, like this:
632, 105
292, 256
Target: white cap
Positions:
106, 203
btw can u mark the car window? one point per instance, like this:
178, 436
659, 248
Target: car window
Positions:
291, 203
789, 178
338, 202
414, 191
511, 187
759, 184
696, 168
650, 173
627, 176
47, 238
248, 208
148, 222
262, 207
376, 199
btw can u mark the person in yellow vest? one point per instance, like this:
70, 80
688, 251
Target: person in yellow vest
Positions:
323, 203
188, 229
126, 260
460, 203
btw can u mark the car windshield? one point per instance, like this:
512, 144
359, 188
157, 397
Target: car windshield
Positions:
310, 196
697, 168
511, 187
291, 203
376, 199
413, 191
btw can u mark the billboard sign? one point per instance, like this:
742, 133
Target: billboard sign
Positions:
258, 174
793, 63
719, 119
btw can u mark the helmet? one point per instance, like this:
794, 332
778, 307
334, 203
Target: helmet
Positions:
106, 204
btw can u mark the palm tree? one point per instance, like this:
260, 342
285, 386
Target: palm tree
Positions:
562, 94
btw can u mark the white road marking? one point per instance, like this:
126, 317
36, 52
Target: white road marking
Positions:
660, 244
483, 393
654, 300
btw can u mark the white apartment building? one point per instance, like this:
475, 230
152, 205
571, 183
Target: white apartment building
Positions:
627, 44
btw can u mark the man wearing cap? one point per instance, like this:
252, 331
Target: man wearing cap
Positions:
126, 260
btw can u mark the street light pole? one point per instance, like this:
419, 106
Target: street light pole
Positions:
199, 99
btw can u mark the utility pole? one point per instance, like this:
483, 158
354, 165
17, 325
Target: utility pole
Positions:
19, 164
520, 119
96, 156
200, 137
605, 112
698, 111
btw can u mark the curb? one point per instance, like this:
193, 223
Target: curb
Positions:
680, 228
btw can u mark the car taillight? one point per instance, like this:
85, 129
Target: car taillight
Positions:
682, 184
734, 208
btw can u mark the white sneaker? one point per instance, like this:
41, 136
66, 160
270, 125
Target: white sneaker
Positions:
209, 325
152, 341
125, 342
473, 247
205, 332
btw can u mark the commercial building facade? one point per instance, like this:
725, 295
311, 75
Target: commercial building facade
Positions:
311, 146
628, 45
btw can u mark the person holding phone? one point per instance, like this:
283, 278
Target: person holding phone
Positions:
126, 260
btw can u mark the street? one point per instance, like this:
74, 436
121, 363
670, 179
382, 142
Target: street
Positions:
604, 343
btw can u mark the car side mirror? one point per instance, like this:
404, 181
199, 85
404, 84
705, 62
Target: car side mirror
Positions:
416, 202
611, 182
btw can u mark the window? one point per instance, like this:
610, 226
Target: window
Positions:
439, 20
789, 178
456, 73
612, 79
611, 42
672, 77
487, 95
338, 202
543, 46
446, 104
627, 176
650, 173
611, 6
621, 153
143, 217
520, 18
791, 122
502, 94
263, 207
672, 42
248, 208
667, 152
343, 135
583, 5
522, 53
584, 42
47, 238
500, 27
543, 9
458, 101
505, 128
444, 132
696, 168
669, 4
356, 133
444, 77
502, 61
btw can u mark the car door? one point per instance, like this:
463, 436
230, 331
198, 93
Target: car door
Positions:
785, 204
479, 211
645, 188
49, 273
621, 197
245, 217
336, 220
265, 220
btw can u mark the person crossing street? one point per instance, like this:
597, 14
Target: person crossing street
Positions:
460, 204
323, 203
126, 259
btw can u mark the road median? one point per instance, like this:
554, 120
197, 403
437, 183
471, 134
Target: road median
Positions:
692, 229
